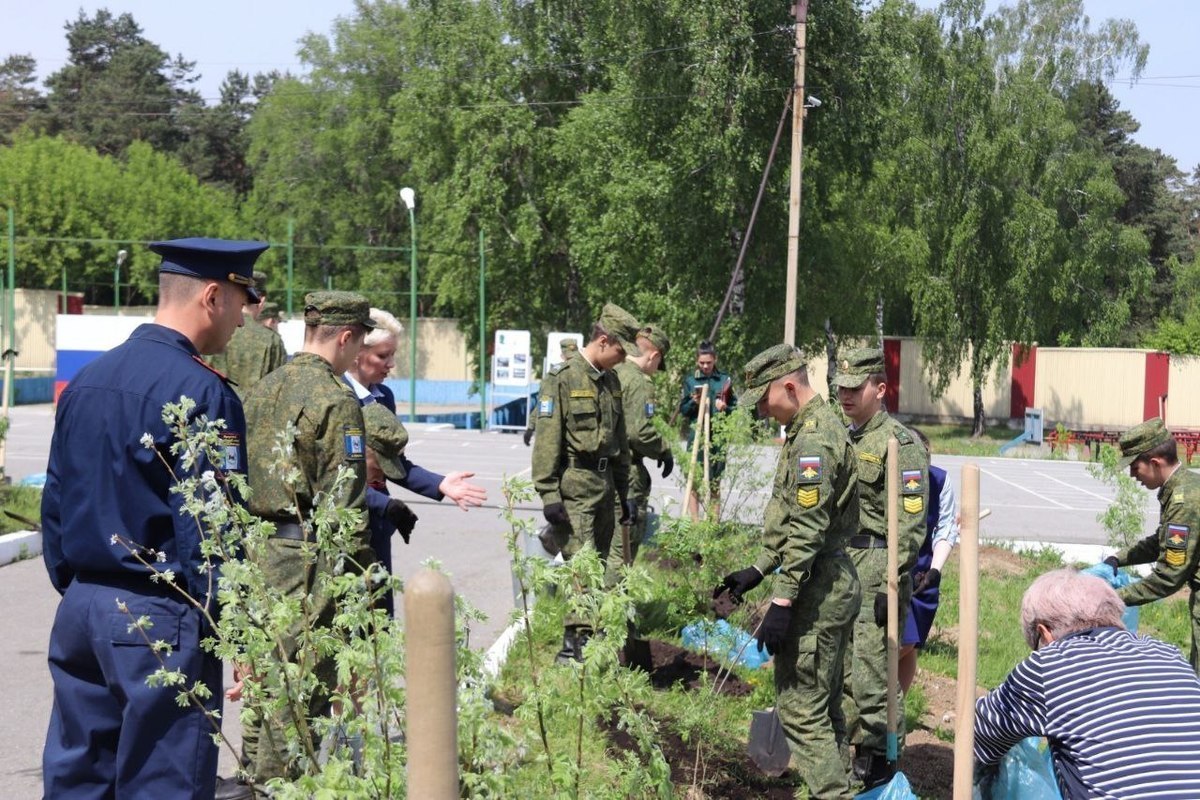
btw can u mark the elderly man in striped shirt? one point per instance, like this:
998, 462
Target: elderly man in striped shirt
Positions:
1121, 712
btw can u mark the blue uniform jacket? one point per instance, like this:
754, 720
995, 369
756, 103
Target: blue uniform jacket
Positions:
102, 481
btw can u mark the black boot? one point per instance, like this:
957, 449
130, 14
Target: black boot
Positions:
878, 770
570, 646
582, 637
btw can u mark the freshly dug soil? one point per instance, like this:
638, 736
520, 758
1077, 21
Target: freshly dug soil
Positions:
675, 665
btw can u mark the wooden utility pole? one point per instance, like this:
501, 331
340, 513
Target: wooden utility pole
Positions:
800, 12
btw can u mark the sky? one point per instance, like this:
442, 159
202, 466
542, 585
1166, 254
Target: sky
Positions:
261, 35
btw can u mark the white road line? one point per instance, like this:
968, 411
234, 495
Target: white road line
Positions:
1076, 488
1025, 489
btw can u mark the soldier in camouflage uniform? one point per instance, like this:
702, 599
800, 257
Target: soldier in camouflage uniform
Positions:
861, 385
567, 348
721, 400
254, 350
269, 316
581, 453
1152, 456
638, 407
810, 517
307, 391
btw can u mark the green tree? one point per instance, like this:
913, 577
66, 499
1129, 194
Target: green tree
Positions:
19, 97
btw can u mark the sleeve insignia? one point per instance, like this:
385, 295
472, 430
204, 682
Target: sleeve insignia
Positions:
352, 436
870, 458
910, 480
649, 410
230, 449
546, 407
809, 426
914, 504
1177, 536
808, 497
810, 468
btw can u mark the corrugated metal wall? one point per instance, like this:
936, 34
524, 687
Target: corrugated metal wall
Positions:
1090, 388
958, 400
1183, 411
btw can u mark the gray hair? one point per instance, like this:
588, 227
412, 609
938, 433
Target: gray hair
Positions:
1066, 601
385, 325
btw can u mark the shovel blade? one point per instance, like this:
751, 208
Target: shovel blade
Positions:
768, 746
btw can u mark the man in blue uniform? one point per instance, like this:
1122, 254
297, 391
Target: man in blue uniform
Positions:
110, 734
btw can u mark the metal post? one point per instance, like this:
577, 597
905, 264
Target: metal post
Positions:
291, 252
430, 687
64, 290
412, 316
11, 309
800, 10
483, 420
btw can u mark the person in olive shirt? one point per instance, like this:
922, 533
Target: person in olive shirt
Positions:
812, 513
721, 400
861, 383
638, 408
1152, 456
309, 392
581, 453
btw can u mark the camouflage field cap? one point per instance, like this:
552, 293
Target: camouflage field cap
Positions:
260, 279
388, 438
270, 310
657, 337
1142, 439
567, 347
337, 308
771, 364
620, 324
854, 367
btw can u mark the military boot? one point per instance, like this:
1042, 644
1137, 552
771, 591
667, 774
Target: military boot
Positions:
873, 769
570, 646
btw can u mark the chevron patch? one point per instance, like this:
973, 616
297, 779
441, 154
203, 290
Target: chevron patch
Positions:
807, 498
914, 504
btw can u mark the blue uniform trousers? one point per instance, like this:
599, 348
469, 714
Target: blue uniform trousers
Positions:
111, 735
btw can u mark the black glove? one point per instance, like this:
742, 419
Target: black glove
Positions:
774, 628
667, 462
881, 609
738, 583
527, 436
628, 512
556, 514
927, 580
402, 517
1112, 562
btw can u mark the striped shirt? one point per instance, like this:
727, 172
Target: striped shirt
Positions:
1121, 713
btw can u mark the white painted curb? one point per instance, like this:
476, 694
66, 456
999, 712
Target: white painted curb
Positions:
494, 659
19, 545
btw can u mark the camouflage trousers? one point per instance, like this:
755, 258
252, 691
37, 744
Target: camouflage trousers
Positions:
639, 492
809, 675
865, 701
1194, 608
589, 498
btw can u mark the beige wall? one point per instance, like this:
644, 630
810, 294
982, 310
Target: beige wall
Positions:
958, 400
1091, 388
1183, 388
35, 311
442, 353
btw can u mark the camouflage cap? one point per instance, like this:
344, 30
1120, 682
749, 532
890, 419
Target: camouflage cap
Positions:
856, 365
387, 436
270, 310
657, 337
260, 279
337, 308
620, 324
568, 346
1141, 439
769, 365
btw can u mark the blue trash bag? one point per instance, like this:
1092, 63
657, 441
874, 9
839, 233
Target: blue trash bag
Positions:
731, 645
1122, 579
1026, 773
38, 479
898, 788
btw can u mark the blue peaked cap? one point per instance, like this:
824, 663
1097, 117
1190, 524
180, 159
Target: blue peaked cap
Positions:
215, 259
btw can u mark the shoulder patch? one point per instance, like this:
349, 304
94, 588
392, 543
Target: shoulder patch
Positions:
911, 481
213, 370
230, 450
546, 407
809, 469
353, 439
809, 426
649, 410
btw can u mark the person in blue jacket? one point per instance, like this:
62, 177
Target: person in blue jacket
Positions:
107, 496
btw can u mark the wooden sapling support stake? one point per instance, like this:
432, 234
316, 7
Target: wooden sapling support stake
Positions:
893, 598
968, 639
697, 439
432, 735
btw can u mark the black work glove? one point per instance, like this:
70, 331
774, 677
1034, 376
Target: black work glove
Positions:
774, 628
881, 609
738, 583
1112, 562
667, 462
628, 512
556, 514
927, 580
527, 436
402, 517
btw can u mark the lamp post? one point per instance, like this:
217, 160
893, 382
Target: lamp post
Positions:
410, 201
121, 256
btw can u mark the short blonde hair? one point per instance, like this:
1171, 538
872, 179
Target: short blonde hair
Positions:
1066, 601
385, 325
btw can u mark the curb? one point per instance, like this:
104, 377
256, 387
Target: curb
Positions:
20, 545
496, 655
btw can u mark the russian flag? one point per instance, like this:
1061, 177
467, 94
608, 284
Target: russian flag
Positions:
79, 338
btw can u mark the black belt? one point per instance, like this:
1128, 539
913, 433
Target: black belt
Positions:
838, 553
867, 541
292, 531
587, 462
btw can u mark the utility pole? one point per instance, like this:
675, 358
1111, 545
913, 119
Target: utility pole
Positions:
800, 12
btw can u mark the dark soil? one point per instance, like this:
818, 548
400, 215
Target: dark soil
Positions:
675, 665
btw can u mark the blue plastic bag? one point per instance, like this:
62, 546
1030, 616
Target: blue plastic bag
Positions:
898, 788
1122, 579
731, 645
1026, 773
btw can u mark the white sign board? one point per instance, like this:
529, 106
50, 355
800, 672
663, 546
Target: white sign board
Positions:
554, 347
510, 359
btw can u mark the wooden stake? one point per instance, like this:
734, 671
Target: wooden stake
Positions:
968, 635
701, 413
893, 598
432, 736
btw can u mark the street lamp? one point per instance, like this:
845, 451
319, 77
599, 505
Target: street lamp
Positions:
121, 256
410, 201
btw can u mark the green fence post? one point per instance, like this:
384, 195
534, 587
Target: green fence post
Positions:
291, 250
483, 419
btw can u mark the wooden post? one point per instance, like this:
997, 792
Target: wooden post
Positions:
800, 12
968, 634
697, 437
432, 731
893, 598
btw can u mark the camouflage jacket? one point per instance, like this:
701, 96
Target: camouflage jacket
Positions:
871, 445
1172, 548
253, 351
638, 407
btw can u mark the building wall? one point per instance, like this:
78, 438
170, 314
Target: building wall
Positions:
1090, 388
1183, 410
958, 401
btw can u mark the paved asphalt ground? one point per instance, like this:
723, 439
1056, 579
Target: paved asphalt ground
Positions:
1031, 501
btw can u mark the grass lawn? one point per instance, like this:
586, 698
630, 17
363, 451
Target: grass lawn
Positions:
25, 501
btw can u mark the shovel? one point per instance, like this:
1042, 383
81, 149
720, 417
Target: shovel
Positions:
637, 650
768, 745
